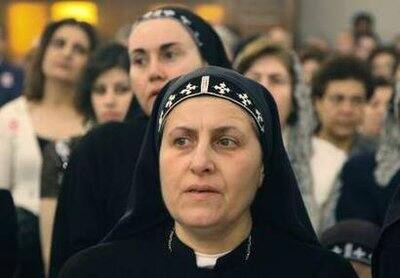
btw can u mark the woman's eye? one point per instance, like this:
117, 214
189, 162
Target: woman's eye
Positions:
58, 42
227, 142
80, 49
122, 89
138, 61
98, 90
278, 80
170, 54
181, 142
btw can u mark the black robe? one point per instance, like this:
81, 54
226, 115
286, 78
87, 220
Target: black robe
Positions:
361, 197
385, 260
8, 235
95, 188
271, 255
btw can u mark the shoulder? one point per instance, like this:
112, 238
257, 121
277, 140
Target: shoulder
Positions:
12, 115
124, 258
99, 137
363, 144
332, 265
14, 106
360, 164
112, 138
324, 263
306, 260
109, 132
93, 261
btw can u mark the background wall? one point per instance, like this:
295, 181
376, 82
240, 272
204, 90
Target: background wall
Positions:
323, 18
327, 17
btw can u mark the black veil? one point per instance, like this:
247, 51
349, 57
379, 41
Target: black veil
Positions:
278, 203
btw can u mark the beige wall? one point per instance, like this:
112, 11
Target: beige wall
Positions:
327, 17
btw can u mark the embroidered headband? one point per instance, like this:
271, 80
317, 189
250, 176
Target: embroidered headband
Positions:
216, 87
353, 252
169, 13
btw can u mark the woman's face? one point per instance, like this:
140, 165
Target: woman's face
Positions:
210, 164
111, 95
159, 50
66, 54
270, 72
375, 110
310, 67
383, 65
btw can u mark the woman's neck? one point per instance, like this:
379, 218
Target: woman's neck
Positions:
56, 93
215, 240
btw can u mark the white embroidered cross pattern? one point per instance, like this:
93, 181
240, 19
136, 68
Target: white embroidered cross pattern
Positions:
160, 120
188, 90
159, 13
245, 99
359, 253
185, 20
260, 119
170, 100
222, 88
337, 250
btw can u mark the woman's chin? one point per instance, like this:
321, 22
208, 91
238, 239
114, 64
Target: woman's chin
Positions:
200, 219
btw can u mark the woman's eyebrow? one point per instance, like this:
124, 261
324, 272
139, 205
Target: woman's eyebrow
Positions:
168, 45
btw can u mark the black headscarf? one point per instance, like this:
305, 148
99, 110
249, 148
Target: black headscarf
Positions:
204, 36
385, 260
278, 203
386, 254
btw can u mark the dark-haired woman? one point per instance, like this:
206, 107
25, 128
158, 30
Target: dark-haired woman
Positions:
105, 92
36, 131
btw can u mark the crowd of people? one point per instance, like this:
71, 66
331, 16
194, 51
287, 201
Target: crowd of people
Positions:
186, 150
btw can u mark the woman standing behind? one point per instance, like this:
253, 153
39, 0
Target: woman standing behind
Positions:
213, 194
279, 70
35, 135
105, 92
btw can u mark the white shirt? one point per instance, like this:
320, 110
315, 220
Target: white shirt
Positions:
326, 162
206, 260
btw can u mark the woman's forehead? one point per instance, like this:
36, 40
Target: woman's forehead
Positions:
72, 32
153, 32
208, 111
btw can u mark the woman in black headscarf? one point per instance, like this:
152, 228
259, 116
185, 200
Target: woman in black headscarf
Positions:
97, 182
385, 260
213, 193
370, 180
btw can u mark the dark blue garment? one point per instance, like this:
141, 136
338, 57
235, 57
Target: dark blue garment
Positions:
361, 196
11, 82
385, 260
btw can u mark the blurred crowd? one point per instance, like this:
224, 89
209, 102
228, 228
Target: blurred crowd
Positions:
74, 115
